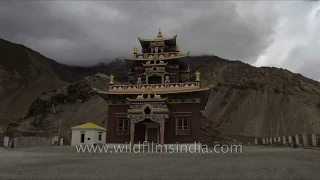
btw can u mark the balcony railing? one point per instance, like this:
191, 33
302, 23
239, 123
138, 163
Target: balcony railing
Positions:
160, 55
155, 87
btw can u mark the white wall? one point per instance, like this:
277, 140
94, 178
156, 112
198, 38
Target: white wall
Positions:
103, 138
89, 133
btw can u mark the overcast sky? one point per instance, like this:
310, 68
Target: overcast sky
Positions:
280, 33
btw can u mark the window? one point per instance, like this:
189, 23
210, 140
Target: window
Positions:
100, 136
122, 126
182, 124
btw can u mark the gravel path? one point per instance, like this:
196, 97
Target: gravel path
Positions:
253, 163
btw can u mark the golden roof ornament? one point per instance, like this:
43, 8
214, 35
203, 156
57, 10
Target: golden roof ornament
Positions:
178, 48
156, 96
135, 50
155, 57
149, 92
197, 76
111, 79
159, 34
140, 96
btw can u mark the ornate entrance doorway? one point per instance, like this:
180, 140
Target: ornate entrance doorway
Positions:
153, 135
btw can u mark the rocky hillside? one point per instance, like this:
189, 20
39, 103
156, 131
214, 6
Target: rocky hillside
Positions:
265, 101
245, 100
24, 75
72, 105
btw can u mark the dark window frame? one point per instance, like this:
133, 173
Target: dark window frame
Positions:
182, 123
122, 129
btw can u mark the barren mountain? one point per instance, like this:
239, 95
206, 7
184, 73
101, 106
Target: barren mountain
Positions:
245, 100
24, 75
72, 105
251, 101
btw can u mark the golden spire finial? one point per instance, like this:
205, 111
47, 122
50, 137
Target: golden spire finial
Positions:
135, 50
111, 79
197, 76
159, 34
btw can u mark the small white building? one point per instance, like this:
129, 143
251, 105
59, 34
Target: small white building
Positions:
88, 133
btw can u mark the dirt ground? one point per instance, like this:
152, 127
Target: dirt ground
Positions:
254, 163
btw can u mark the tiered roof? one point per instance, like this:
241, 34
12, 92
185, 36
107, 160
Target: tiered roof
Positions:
145, 43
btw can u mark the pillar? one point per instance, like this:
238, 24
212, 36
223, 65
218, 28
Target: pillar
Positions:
132, 134
284, 140
6, 141
290, 139
305, 139
314, 140
162, 134
255, 140
263, 140
297, 139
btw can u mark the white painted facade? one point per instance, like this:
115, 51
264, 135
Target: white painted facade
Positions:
88, 136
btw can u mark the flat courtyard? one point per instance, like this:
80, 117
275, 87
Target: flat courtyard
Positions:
256, 162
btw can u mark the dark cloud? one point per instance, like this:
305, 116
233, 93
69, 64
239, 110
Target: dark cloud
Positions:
81, 32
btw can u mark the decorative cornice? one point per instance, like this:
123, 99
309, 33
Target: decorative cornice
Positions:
179, 101
118, 115
159, 118
155, 110
155, 39
167, 91
181, 114
147, 59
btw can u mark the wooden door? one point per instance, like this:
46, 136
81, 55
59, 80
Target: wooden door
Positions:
153, 135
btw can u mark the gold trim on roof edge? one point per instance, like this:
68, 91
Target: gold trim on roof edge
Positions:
157, 39
143, 59
170, 91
